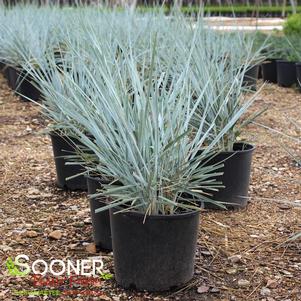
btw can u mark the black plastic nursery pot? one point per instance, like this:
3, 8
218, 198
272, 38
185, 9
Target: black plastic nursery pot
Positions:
63, 146
298, 74
235, 178
269, 71
5, 72
259, 72
27, 89
12, 77
250, 78
2, 66
286, 73
157, 255
22, 84
100, 221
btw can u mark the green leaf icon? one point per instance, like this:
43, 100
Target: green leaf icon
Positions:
13, 270
106, 276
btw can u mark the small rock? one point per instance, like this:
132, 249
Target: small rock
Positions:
243, 283
10, 220
79, 224
271, 283
31, 234
72, 246
91, 248
33, 190
50, 219
265, 291
206, 253
214, 290
57, 234
87, 220
284, 206
203, 289
5, 248
235, 258
231, 271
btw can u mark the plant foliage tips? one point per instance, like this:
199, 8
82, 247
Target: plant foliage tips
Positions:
147, 113
293, 25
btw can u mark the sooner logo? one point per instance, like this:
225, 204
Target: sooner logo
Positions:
83, 267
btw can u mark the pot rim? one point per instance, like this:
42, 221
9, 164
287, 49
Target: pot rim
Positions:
248, 150
285, 62
158, 216
97, 179
269, 60
56, 134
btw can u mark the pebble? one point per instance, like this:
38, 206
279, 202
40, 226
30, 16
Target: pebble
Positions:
31, 234
203, 289
57, 234
265, 291
91, 248
5, 248
243, 283
10, 220
231, 271
235, 258
88, 220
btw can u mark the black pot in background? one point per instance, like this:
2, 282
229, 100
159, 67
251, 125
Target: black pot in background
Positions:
259, 72
100, 221
269, 71
286, 73
22, 84
2, 66
157, 255
250, 78
62, 146
12, 77
235, 178
298, 74
27, 88
5, 72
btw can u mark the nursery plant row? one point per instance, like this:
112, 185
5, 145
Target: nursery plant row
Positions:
283, 56
145, 113
232, 10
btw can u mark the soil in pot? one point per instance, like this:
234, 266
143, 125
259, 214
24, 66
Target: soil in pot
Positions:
157, 255
269, 71
298, 74
250, 78
62, 146
235, 178
100, 221
286, 73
